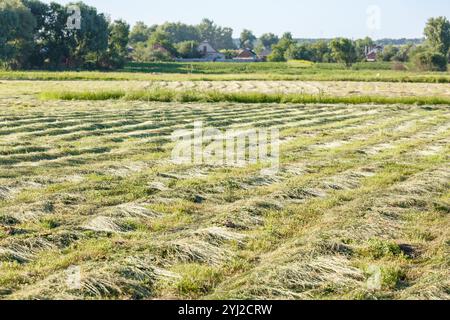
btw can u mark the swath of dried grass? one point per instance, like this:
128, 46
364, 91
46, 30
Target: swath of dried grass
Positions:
125, 278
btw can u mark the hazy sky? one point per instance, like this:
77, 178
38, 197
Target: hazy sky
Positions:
305, 19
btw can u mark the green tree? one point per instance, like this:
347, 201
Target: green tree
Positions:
188, 49
180, 32
220, 38
287, 36
343, 51
277, 55
145, 53
279, 50
53, 41
389, 52
141, 52
247, 39
430, 61
162, 39
90, 42
119, 32
404, 53
140, 32
298, 52
40, 11
268, 40
437, 33
16, 33
320, 52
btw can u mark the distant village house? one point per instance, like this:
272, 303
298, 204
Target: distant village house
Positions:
372, 53
208, 53
246, 55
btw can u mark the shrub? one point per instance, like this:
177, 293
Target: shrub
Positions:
145, 53
392, 276
430, 61
188, 49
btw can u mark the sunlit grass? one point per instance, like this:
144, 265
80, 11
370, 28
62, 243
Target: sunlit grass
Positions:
167, 95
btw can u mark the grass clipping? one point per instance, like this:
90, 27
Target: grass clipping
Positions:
167, 95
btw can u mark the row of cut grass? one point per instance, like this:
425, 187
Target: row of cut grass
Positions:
321, 227
167, 95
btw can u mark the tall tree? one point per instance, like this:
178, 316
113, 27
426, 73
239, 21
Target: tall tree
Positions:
180, 32
268, 40
162, 39
219, 37
437, 32
54, 41
188, 49
91, 40
298, 52
41, 12
141, 32
344, 51
389, 52
247, 39
287, 36
119, 32
16, 33
279, 50
320, 51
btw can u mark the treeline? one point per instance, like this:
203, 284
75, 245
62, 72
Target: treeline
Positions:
381, 42
334, 50
37, 35
169, 40
182, 40
432, 55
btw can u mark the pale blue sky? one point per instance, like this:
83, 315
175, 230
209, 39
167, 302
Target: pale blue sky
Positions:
305, 19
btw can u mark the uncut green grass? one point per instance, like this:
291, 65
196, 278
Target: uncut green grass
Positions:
290, 71
165, 95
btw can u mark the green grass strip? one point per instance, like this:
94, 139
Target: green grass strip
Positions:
165, 95
238, 73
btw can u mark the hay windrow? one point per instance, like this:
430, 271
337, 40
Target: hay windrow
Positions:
90, 184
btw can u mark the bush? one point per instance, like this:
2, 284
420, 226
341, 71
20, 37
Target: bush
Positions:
430, 61
188, 49
145, 53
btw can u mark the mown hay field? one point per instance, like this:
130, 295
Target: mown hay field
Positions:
362, 191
